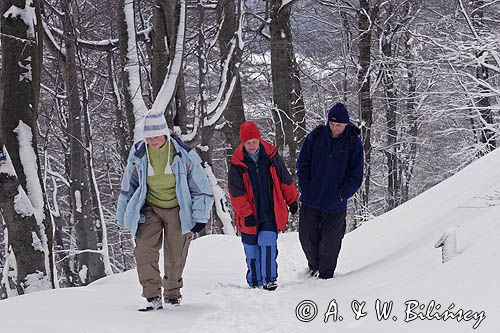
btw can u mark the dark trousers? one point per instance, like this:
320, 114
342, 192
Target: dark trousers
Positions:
321, 236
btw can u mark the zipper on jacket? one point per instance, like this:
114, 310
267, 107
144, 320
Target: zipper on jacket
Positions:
260, 189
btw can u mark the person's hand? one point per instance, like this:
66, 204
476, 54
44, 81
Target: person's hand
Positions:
250, 221
294, 206
198, 227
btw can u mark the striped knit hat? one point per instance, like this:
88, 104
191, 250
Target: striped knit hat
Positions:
155, 125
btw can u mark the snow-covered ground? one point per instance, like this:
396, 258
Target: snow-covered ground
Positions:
391, 258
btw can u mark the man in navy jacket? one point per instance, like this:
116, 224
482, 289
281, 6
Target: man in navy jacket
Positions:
330, 171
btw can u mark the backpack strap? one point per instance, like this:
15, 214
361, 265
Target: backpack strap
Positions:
316, 132
352, 142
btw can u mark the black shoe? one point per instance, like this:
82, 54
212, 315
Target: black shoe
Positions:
173, 301
153, 303
270, 286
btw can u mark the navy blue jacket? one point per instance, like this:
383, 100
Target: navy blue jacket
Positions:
330, 171
260, 178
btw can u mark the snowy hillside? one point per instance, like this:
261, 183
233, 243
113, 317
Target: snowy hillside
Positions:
391, 258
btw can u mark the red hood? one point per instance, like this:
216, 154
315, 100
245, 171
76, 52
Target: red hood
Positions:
237, 158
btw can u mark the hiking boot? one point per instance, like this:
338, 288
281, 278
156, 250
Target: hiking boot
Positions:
173, 301
255, 287
270, 286
153, 303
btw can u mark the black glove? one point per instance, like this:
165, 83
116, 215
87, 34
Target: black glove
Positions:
198, 227
294, 206
250, 221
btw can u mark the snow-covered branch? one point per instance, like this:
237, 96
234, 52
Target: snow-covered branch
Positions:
221, 205
167, 90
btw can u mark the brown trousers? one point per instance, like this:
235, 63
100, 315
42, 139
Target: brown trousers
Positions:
162, 225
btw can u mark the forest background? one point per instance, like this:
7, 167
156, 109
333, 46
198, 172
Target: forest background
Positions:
419, 77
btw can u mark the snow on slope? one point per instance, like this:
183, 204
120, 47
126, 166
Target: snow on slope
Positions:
391, 258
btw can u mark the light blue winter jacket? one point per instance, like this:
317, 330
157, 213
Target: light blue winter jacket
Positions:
193, 189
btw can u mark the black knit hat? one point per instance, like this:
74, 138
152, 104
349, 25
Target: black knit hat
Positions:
338, 114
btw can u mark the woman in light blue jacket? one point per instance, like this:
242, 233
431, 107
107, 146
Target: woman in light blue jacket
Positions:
165, 197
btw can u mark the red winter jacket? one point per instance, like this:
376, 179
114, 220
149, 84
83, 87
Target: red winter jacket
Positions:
242, 196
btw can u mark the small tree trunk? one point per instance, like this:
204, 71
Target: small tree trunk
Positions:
90, 265
181, 111
486, 135
99, 222
135, 108
171, 16
234, 114
287, 96
366, 17
412, 119
160, 51
120, 125
391, 150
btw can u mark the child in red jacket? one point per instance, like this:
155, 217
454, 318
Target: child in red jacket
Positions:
260, 188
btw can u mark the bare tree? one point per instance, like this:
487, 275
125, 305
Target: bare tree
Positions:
394, 19
90, 264
288, 109
367, 16
485, 133
234, 115
23, 206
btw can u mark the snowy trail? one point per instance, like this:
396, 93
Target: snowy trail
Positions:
391, 258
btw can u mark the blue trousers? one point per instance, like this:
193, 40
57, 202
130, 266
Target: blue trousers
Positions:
261, 251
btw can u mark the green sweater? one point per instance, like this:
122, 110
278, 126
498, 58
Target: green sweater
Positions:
161, 186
